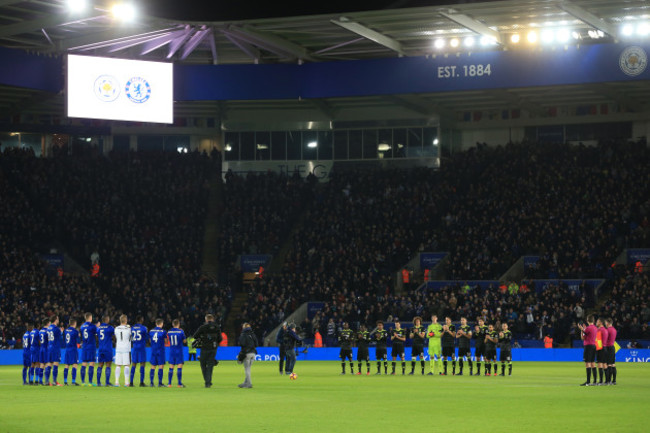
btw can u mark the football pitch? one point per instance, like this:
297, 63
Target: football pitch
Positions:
537, 397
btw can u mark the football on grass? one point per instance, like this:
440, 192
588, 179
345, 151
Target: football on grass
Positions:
293, 376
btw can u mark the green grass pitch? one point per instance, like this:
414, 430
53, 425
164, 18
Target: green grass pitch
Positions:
538, 397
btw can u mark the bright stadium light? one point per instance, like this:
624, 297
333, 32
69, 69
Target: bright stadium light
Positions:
312, 144
548, 36
563, 35
532, 36
439, 44
454, 42
77, 6
627, 30
643, 29
515, 38
488, 40
435, 141
469, 41
124, 11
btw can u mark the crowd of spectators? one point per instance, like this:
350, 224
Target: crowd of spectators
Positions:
139, 215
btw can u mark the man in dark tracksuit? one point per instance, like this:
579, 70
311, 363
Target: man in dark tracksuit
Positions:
291, 339
279, 339
208, 337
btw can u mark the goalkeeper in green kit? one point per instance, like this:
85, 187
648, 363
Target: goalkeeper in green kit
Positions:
434, 333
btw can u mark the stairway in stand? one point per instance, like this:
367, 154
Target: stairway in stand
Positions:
232, 327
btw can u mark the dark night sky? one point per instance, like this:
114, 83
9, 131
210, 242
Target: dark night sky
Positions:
219, 10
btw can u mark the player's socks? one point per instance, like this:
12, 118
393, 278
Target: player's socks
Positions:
460, 366
142, 373
91, 371
594, 374
488, 368
170, 375
55, 373
403, 367
160, 376
65, 375
367, 367
614, 374
453, 366
352, 368
588, 374
132, 375
31, 374
378, 367
510, 368
503, 368
48, 370
359, 367
117, 375
25, 371
127, 373
478, 368
108, 375
412, 367
471, 366
179, 375
422, 364
99, 375
445, 364
343, 367
385, 367
74, 375
600, 375
83, 374
152, 374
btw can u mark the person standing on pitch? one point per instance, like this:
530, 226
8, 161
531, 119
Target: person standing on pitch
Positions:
588, 335
464, 335
123, 336
448, 339
611, 351
434, 333
248, 343
480, 331
417, 335
363, 341
279, 339
380, 335
208, 337
291, 339
345, 337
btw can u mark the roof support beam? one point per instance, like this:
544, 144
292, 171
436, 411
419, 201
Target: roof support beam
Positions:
370, 34
270, 42
194, 42
247, 48
473, 25
160, 41
589, 18
105, 38
44, 23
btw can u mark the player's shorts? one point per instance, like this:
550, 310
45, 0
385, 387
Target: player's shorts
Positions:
397, 351
345, 353
176, 358
465, 352
381, 353
88, 354
417, 350
611, 355
601, 356
122, 358
506, 355
479, 351
157, 358
54, 355
71, 356
435, 351
490, 354
105, 356
362, 354
589, 353
138, 355
34, 356
448, 351
27, 358
43, 357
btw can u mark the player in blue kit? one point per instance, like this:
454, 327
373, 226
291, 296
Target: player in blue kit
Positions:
176, 342
88, 333
42, 357
105, 333
139, 338
54, 348
35, 348
27, 357
157, 360
71, 337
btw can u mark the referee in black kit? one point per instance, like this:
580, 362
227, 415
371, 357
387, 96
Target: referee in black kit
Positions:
208, 337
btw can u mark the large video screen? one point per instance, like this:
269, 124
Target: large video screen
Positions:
118, 89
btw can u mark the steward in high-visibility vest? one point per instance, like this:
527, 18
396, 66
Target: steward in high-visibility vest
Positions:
318, 339
548, 342
94, 272
406, 276
426, 275
224, 339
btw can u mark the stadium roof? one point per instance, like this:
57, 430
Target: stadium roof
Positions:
49, 27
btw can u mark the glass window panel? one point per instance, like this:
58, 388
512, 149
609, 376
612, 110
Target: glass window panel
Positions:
399, 143
325, 145
294, 150
279, 146
232, 146
310, 145
340, 144
370, 144
262, 146
356, 140
247, 140
430, 142
385, 143
414, 143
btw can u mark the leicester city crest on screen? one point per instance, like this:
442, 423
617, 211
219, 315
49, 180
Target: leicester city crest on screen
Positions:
633, 61
138, 90
107, 88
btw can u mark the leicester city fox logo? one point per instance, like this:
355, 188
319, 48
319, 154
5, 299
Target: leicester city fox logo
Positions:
106, 88
138, 90
633, 61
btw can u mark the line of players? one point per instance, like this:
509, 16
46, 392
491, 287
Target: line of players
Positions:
42, 352
599, 341
442, 347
